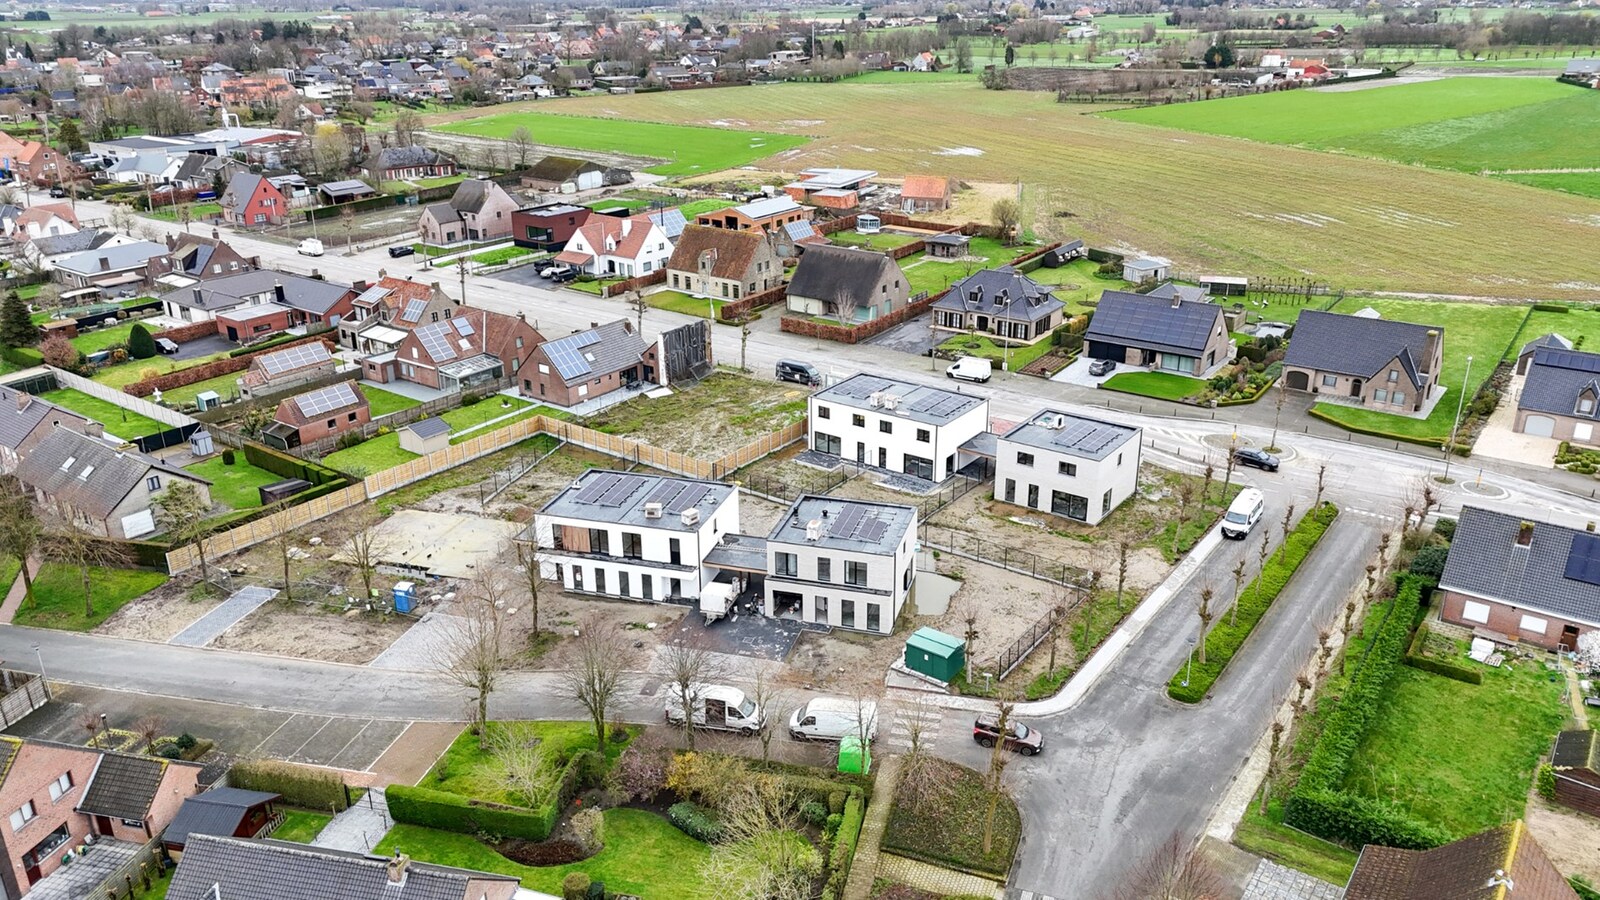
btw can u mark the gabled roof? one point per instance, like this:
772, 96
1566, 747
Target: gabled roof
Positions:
412, 156
1556, 379
1002, 292
1463, 870
217, 811
244, 869
841, 275
117, 258
123, 786
427, 428
583, 355
732, 252
561, 168
1548, 575
1137, 320
314, 405
87, 473
76, 242
628, 236
291, 359
925, 187
310, 295
241, 187
1359, 346
21, 413
1553, 340
472, 194
1182, 291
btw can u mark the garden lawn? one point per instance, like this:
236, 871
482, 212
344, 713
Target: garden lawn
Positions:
469, 772
1158, 385
301, 826
234, 485
102, 338
1291, 847
644, 855
886, 240
591, 286
58, 595
1078, 284
954, 834
438, 182
197, 212
934, 274
226, 386
383, 452
502, 255
123, 374
121, 422
383, 403
158, 887
1459, 755
1581, 323
978, 345
1478, 330
693, 149
679, 302
701, 207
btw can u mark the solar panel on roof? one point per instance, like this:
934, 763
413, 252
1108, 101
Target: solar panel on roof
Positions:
567, 360
436, 342
597, 487
326, 399
861, 388
624, 488
874, 530
666, 492
691, 497
462, 326
849, 518
372, 295
294, 358
414, 310
1583, 560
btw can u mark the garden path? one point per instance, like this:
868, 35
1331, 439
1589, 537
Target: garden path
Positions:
15, 596
360, 827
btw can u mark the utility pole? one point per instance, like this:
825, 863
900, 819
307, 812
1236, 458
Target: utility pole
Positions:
1450, 448
461, 265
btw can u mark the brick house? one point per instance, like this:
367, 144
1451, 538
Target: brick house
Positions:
547, 227
322, 413
479, 210
588, 364
248, 324
472, 347
252, 201
415, 161
606, 246
1503, 863
41, 164
1164, 334
1560, 396
925, 193
25, 420
717, 262
56, 795
236, 868
771, 214
1002, 302
1386, 365
192, 258
384, 312
99, 487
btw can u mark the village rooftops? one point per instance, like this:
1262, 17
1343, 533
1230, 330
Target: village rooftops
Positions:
919, 403
623, 498
857, 525
1073, 435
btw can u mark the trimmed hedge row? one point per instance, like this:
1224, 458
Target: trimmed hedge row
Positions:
1319, 803
843, 852
1416, 660
1229, 633
286, 466
299, 785
278, 342
453, 812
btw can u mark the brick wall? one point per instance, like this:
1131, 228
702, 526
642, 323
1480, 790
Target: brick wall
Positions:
735, 310
802, 325
659, 276
194, 331
36, 766
211, 369
1505, 619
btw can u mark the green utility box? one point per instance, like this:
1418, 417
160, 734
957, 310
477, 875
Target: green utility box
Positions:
935, 654
855, 756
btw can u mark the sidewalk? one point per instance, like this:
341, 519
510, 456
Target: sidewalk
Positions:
359, 828
864, 870
17, 593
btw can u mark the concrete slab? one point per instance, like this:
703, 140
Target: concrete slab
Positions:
757, 637
294, 733
1499, 440
365, 748
331, 739
210, 626
421, 647
441, 544
79, 880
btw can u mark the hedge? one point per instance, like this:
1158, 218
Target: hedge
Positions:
1416, 660
286, 466
277, 342
695, 821
299, 785
1229, 633
1551, 308
1318, 803
844, 847
453, 812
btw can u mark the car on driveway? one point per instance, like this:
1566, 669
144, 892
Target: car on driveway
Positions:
165, 345
58, 191
1102, 367
1019, 737
555, 271
1260, 459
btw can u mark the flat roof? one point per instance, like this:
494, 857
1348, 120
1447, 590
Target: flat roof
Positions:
601, 495
858, 525
919, 403
252, 311
553, 209
771, 206
1071, 434
820, 178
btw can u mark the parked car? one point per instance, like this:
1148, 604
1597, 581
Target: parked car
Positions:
970, 368
1019, 737
399, 250
1261, 459
165, 345
718, 706
58, 191
798, 372
310, 247
1243, 514
833, 719
555, 271
1102, 367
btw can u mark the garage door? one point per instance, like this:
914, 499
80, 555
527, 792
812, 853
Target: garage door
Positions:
138, 524
1539, 426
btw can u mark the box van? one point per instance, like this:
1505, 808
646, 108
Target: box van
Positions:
970, 368
1243, 514
833, 719
717, 706
798, 372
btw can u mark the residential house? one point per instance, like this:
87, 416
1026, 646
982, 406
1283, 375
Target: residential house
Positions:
252, 201
609, 247
926, 61
1067, 465
925, 193
192, 258
836, 189
348, 190
479, 210
843, 563
280, 370
406, 163
236, 868
1503, 863
584, 365
1525, 355
634, 536
313, 301
41, 164
547, 227
848, 283
716, 262
874, 60
111, 266
564, 175
897, 425
383, 313
1383, 364
1560, 396
99, 487
25, 420
62, 796
220, 812
1521, 578
1582, 72
472, 347
1002, 302
44, 220
1174, 335
1146, 268
45, 252
321, 413
770, 215
577, 78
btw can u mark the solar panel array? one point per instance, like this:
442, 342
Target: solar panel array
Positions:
436, 342
859, 523
1090, 437
294, 358
1583, 560
463, 327
849, 518
1570, 359
414, 310
610, 489
940, 404
567, 356
1150, 320
677, 496
372, 295
862, 387
328, 399
800, 230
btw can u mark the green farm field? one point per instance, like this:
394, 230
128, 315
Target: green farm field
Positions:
1207, 202
691, 149
1584, 184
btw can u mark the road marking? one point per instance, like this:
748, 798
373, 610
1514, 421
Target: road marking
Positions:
292, 717
364, 726
312, 738
929, 720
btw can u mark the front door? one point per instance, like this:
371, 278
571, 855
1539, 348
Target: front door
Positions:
883, 457
861, 453
1355, 387
1569, 638
102, 825
233, 334
983, 323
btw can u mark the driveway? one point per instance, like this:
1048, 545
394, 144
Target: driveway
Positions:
1078, 373
211, 343
915, 337
1498, 440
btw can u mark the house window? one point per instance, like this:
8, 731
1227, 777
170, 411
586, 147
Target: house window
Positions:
1011, 490
599, 581
1393, 376
351, 417
1330, 381
1532, 624
1585, 405
333, 423
819, 609
785, 564
855, 572
647, 587
622, 583
824, 412
1025, 459
858, 420
675, 551
847, 613
824, 569
885, 426
873, 621
1380, 395
1105, 502
1474, 611
1033, 496
153, 483
60, 786
675, 586
1397, 398
1068, 469
435, 318
600, 541
632, 545
260, 218
923, 436
23, 816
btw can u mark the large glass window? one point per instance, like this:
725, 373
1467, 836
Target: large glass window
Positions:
1071, 505
855, 572
873, 623
847, 613
785, 564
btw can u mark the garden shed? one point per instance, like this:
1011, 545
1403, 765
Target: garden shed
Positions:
935, 654
1577, 770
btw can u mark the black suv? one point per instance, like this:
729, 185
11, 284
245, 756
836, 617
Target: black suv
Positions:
1020, 738
399, 250
1261, 459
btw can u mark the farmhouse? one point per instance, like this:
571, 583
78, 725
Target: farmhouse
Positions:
1484, 866
897, 425
1070, 466
925, 193
99, 487
479, 210
617, 248
1002, 302
547, 227
1522, 579
589, 364
1387, 365
638, 537
564, 175
717, 262
238, 868
322, 413
404, 163
1560, 396
1176, 335
845, 563
848, 283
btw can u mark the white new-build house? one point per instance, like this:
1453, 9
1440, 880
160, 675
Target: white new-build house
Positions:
642, 537
845, 563
897, 425
1071, 466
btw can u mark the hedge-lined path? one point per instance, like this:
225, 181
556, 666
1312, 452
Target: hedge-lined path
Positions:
18, 591
865, 867
360, 827
935, 879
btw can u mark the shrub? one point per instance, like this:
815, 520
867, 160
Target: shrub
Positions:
59, 352
830, 825
575, 886
1445, 528
185, 741
589, 830
836, 802
1545, 781
813, 812
300, 785
1429, 562
140, 344
227, 457
641, 771
169, 751
597, 891
1448, 670
694, 821
844, 845
452, 812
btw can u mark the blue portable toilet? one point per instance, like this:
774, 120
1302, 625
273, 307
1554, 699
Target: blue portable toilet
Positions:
403, 596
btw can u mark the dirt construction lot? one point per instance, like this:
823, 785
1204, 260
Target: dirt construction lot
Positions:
727, 412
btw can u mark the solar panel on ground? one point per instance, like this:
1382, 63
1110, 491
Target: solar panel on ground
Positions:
414, 309
690, 498
597, 487
849, 518
1583, 560
323, 400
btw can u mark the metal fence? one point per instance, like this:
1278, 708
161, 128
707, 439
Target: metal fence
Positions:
972, 546
501, 479
1008, 660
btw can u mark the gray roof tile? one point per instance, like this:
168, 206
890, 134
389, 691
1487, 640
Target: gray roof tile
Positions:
1485, 561
123, 786
57, 464
609, 348
1002, 292
1356, 345
1556, 378
275, 870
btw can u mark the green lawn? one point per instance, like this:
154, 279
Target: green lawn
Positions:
438, 182
58, 595
197, 211
679, 302
644, 855
470, 772
102, 338
1287, 312
121, 422
234, 485
301, 826
382, 402
591, 285
383, 452
157, 889
701, 207
1586, 184
1078, 284
1470, 329
954, 832
934, 274
979, 345
690, 149
124, 374
886, 240
226, 386
1582, 322
1158, 385
630, 202
1459, 755
1292, 847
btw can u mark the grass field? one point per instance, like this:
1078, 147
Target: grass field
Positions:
382, 402
1078, 284
118, 421
1196, 198
1584, 184
234, 485
1581, 323
1156, 385
58, 595
197, 212
689, 149
301, 826
978, 345
883, 241
1466, 124
383, 452
102, 338
934, 274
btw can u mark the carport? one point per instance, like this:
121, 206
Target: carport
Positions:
744, 557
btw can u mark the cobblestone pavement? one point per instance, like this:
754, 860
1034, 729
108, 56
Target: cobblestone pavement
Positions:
360, 827
211, 625
1274, 882
931, 878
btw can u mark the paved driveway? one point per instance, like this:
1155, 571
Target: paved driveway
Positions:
1498, 440
1078, 373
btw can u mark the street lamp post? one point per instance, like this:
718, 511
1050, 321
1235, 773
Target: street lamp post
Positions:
37, 651
1456, 424
1188, 667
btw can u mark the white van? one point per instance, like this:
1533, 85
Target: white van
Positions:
1243, 514
833, 719
970, 368
310, 247
717, 706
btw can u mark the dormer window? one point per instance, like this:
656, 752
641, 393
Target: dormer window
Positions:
87, 471
1586, 405
67, 466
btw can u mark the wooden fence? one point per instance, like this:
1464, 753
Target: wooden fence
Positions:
735, 310
266, 528
24, 693
618, 288
134, 877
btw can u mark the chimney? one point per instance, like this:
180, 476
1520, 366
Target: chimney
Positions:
199, 297
1177, 301
172, 243
1525, 534
216, 235
277, 291
1429, 351
595, 324
397, 868
627, 326
93, 429
360, 286
24, 398
1589, 527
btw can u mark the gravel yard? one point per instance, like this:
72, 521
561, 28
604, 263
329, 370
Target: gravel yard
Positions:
163, 612
310, 632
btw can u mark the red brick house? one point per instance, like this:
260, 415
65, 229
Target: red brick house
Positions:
251, 200
322, 413
547, 227
1503, 863
588, 364
382, 313
247, 324
41, 164
56, 795
472, 347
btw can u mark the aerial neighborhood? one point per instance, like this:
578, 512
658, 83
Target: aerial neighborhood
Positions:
843, 452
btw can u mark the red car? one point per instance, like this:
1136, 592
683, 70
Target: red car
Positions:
1019, 737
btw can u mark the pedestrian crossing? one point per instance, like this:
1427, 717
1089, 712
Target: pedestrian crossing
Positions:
1027, 895
908, 720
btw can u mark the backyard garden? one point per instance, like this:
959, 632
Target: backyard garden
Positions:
382, 451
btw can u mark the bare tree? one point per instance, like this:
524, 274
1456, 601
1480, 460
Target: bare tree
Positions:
1227, 471
185, 215
1261, 564
771, 693
1238, 591
744, 343
1277, 412
1122, 572
1206, 614
82, 551
925, 780
149, 728
1205, 489
472, 652
1322, 478
640, 306
1185, 497
347, 218
598, 671
1383, 551
690, 666
1174, 871
1088, 612
521, 145
1058, 611
90, 722
997, 768
1288, 522
1274, 754
1324, 648
528, 563
761, 853
20, 530
283, 543
183, 513
365, 550
523, 762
